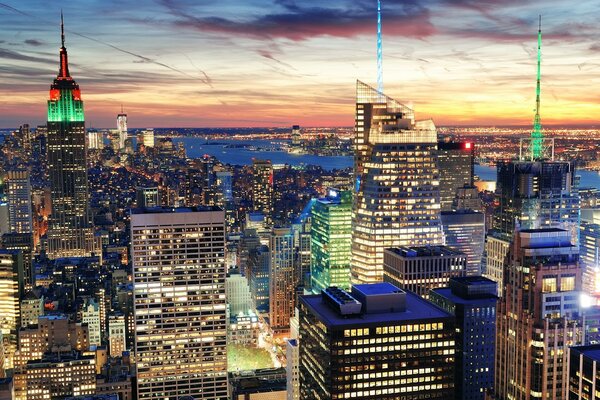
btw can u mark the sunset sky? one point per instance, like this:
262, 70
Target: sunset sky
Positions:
196, 63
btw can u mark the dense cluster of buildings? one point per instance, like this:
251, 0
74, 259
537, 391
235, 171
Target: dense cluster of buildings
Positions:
136, 272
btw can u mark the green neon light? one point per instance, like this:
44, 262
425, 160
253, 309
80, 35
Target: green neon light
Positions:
65, 108
536, 135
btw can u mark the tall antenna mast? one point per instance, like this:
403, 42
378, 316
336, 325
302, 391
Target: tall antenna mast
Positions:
62, 29
379, 51
536, 135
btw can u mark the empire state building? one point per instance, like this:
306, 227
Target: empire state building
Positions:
70, 233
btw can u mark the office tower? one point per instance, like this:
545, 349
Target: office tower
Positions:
282, 280
455, 162
224, 184
262, 189
95, 139
69, 232
32, 307
467, 198
237, 293
301, 229
589, 236
538, 315
584, 380
420, 269
25, 138
11, 289
114, 137
464, 231
4, 220
147, 197
19, 201
179, 297
377, 342
59, 375
122, 128
24, 243
90, 315
331, 241
292, 369
472, 301
259, 261
117, 337
249, 240
296, 136
148, 137
397, 193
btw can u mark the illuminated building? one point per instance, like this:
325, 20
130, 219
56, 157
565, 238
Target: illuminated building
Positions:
117, 342
147, 137
70, 233
455, 163
19, 201
90, 315
147, 197
11, 289
467, 198
331, 241
589, 236
32, 307
95, 139
377, 342
259, 384
464, 231
25, 137
397, 182
292, 370
584, 380
59, 375
4, 220
282, 280
243, 329
420, 269
472, 301
296, 136
24, 243
538, 315
301, 230
262, 189
237, 293
179, 300
122, 128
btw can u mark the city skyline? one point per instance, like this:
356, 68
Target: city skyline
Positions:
257, 63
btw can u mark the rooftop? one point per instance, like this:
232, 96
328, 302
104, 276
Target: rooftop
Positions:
425, 251
446, 292
591, 351
168, 210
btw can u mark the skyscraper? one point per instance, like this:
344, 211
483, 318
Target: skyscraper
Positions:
179, 300
11, 289
282, 280
262, 189
538, 315
70, 233
19, 201
397, 182
455, 161
464, 231
122, 128
377, 342
331, 241
472, 300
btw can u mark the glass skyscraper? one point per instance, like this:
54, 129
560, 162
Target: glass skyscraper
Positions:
397, 182
69, 233
262, 189
331, 241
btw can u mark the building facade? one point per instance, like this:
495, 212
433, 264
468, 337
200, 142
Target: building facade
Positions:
397, 182
456, 165
584, 372
282, 280
262, 189
464, 231
179, 302
20, 215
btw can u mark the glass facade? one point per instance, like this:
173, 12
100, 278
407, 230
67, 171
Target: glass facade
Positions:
464, 231
262, 189
455, 162
397, 182
331, 241
283, 280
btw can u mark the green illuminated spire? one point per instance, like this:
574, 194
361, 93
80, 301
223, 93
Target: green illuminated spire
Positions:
536, 135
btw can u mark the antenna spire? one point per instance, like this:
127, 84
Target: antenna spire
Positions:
379, 51
62, 29
537, 135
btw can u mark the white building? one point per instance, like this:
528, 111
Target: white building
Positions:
116, 335
90, 315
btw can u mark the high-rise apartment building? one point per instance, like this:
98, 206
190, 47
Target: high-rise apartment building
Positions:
464, 231
472, 301
259, 262
456, 165
421, 269
147, 197
20, 214
11, 289
117, 335
90, 315
589, 251
262, 189
397, 182
179, 302
32, 307
331, 241
377, 342
69, 233
538, 315
282, 280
